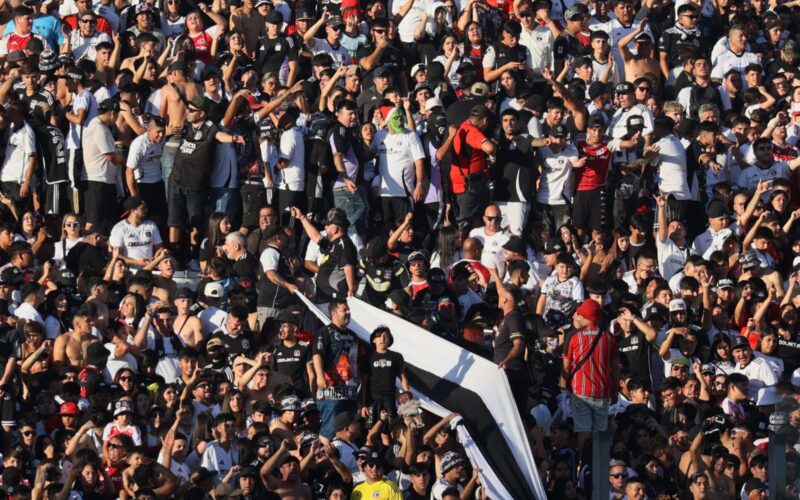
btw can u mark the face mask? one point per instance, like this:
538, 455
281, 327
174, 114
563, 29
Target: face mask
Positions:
396, 123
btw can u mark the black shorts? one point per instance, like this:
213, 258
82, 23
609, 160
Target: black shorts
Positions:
57, 198
99, 201
589, 209
394, 209
254, 198
155, 197
186, 207
288, 199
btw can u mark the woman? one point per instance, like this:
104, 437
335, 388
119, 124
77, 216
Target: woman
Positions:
219, 225
450, 58
621, 250
172, 22
35, 353
721, 354
125, 378
83, 483
448, 248
201, 437
507, 95
569, 236
32, 231
70, 236
116, 275
131, 310
475, 48
122, 355
233, 403
202, 38
56, 307
168, 398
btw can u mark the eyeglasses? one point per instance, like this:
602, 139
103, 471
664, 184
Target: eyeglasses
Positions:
680, 368
618, 475
335, 28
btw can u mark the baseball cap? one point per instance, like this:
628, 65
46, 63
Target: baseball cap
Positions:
725, 283
75, 73
553, 245
69, 408
748, 260
381, 71
108, 105
716, 209
290, 403
738, 341
123, 406
624, 88
478, 89
450, 461
416, 68
417, 255
16, 56
676, 305
433, 102
596, 121
708, 368
558, 130
184, 293
303, 13
655, 311
576, 10
337, 218
635, 122
12, 276
274, 17
334, 21
214, 290
517, 245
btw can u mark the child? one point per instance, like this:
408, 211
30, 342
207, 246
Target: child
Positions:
123, 409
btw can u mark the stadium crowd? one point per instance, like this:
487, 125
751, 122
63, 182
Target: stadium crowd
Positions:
601, 197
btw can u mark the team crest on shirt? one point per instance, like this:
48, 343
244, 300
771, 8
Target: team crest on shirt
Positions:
376, 494
296, 353
198, 135
148, 234
277, 46
245, 344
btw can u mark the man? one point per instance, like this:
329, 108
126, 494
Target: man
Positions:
102, 162
671, 242
380, 58
758, 372
590, 206
509, 345
243, 263
561, 290
492, 237
617, 478
699, 487
275, 53
567, 45
82, 42
335, 355
736, 56
636, 346
267, 226
375, 484
703, 90
678, 38
336, 277
292, 356
72, 348
156, 333
82, 110
18, 39
331, 44
236, 335
288, 482
675, 176
469, 171
554, 196
619, 28
179, 91
401, 166
591, 371
191, 170
221, 454
50, 151
143, 173
618, 127
507, 55
135, 239
538, 33
765, 167
454, 476
349, 192
514, 175
19, 164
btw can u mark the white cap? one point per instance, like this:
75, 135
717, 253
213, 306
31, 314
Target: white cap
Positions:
795, 380
677, 305
796, 261
433, 102
415, 68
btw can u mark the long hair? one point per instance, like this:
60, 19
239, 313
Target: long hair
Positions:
446, 245
214, 235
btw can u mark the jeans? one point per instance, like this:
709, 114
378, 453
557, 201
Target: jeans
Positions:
226, 200
354, 206
168, 159
328, 409
589, 414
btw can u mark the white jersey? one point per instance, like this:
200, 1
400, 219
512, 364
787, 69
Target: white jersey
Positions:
672, 168
727, 60
135, 242
618, 127
750, 177
397, 154
671, 258
493, 254
144, 157
558, 179
759, 374
562, 295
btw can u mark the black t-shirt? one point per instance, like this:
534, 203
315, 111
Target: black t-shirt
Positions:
195, 156
51, 152
391, 57
514, 175
246, 269
635, 352
789, 352
242, 344
383, 369
511, 328
272, 53
292, 361
380, 279
331, 280
567, 46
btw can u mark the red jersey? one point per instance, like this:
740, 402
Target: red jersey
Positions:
115, 474
593, 174
202, 46
13, 41
594, 377
788, 153
469, 158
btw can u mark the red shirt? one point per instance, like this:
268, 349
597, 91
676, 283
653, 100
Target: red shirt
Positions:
202, 46
469, 158
593, 174
594, 377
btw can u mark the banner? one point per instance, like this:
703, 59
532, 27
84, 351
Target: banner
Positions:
455, 380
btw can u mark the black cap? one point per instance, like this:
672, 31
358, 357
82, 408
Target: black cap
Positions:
184, 293
381, 71
596, 121
304, 13
290, 316
337, 219
553, 245
665, 122
517, 245
513, 27
558, 130
739, 341
479, 111
274, 17
179, 65
110, 104
16, 56
437, 276
75, 73
635, 122
376, 248
12, 276
66, 278
624, 88
716, 209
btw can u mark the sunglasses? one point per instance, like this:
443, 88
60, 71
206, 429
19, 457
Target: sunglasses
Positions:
113, 446
618, 475
88, 20
193, 110
492, 219
72, 224
125, 379
28, 433
336, 28
380, 32
644, 89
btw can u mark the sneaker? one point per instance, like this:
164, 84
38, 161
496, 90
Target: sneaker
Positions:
193, 266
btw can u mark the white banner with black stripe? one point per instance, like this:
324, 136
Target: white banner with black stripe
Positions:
448, 378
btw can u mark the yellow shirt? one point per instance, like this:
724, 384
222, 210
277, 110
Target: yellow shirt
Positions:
381, 490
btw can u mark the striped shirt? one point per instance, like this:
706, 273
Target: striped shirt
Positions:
594, 378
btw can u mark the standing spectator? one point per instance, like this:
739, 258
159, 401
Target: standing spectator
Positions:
469, 174
492, 237
102, 161
143, 173
348, 190
509, 346
591, 371
19, 163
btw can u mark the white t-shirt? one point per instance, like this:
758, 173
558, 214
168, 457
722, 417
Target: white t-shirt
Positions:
98, 142
28, 312
293, 150
671, 258
728, 60
116, 364
750, 177
618, 127
672, 168
86, 47
21, 145
167, 365
558, 179
493, 254
406, 28
136, 242
84, 100
339, 54
396, 156
212, 318
216, 458
561, 295
144, 156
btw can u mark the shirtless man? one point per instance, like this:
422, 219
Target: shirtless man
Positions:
147, 49
71, 347
289, 486
164, 286
283, 427
187, 327
179, 90
263, 377
645, 60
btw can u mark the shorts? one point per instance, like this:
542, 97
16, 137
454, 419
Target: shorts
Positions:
186, 207
589, 209
394, 210
288, 199
472, 205
254, 198
99, 201
515, 215
589, 414
57, 198
155, 196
